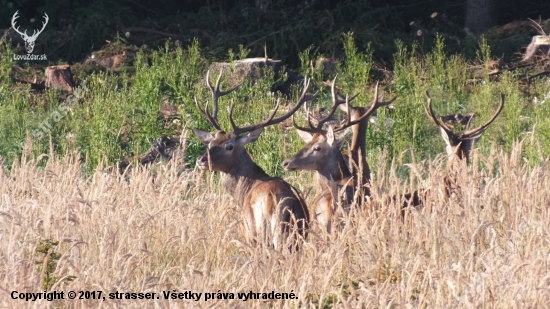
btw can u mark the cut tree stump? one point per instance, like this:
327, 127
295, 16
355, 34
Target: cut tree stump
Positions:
254, 68
241, 69
538, 42
59, 77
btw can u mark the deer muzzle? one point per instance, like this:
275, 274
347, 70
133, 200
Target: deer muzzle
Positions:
289, 165
202, 162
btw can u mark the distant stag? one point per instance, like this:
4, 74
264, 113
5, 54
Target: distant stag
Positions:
322, 154
271, 206
458, 146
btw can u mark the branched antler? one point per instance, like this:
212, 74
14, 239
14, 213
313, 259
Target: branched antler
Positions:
336, 101
470, 134
271, 120
216, 94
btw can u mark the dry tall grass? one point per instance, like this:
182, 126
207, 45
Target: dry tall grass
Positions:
163, 230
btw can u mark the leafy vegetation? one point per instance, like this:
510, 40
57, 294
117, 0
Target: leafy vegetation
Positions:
117, 114
169, 228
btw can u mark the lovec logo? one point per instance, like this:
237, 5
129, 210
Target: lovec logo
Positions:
29, 39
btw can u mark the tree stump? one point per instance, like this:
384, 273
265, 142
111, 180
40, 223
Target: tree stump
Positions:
242, 69
254, 68
59, 77
538, 42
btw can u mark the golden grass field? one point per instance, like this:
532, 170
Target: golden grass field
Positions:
164, 229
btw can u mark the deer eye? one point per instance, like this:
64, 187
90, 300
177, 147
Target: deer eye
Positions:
316, 148
228, 147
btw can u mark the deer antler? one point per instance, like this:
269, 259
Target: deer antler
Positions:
271, 120
374, 106
336, 101
471, 134
216, 94
474, 133
433, 118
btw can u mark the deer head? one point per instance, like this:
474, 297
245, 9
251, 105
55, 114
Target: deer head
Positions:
226, 150
321, 146
29, 40
460, 144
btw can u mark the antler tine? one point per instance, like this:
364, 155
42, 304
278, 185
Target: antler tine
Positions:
271, 120
430, 113
337, 99
216, 93
469, 120
335, 103
341, 99
374, 106
309, 117
237, 130
348, 117
375, 100
310, 130
235, 127
480, 129
204, 112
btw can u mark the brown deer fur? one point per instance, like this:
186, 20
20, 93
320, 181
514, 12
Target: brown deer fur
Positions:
322, 154
268, 202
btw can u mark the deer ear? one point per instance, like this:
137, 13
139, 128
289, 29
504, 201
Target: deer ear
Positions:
250, 137
344, 108
306, 136
449, 140
330, 136
204, 136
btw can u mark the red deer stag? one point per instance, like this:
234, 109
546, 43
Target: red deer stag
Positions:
322, 154
357, 151
268, 202
458, 145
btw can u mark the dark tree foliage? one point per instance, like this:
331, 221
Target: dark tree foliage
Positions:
77, 27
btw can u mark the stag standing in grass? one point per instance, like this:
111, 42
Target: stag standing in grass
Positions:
458, 145
270, 205
322, 154
357, 152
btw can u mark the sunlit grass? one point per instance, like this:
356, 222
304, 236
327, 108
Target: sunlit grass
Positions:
154, 232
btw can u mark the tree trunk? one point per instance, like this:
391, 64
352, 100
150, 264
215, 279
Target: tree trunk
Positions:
64, 14
480, 15
262, 5
59, 77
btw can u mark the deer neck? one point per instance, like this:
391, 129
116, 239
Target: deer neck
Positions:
334, 177
359, 145
454, 167
334, 170
243, 177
